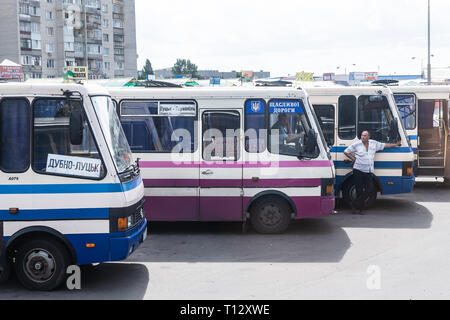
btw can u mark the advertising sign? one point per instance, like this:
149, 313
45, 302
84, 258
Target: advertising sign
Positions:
247, 76
75, 73
370, 76
304, 76
214, 81
11, 72
329, 77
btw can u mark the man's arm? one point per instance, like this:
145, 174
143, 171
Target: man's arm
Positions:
349, 152
350, 156
392, 145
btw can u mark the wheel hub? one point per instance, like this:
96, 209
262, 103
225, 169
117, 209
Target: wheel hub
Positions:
270, 215
39, 265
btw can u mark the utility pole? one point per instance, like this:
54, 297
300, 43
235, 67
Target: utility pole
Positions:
429, 44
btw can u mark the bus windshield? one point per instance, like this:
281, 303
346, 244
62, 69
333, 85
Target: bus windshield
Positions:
113, 132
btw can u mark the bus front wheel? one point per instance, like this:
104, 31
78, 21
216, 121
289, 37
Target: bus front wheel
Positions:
41, 264
270, 215
349, 194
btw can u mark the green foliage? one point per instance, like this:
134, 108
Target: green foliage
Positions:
185, 67
146, 70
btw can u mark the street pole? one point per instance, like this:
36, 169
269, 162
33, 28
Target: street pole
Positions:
429, 44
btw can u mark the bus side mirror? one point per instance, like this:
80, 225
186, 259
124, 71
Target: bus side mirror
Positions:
76, 128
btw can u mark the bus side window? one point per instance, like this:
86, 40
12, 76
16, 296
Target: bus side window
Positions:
325, 115
148, 129
15, 116
347, 117
406, 104
255, 126
52, 151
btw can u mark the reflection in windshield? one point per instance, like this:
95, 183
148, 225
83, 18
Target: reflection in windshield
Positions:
113, 132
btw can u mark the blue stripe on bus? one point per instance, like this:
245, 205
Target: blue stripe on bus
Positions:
60, 188
412, 137
55, 214
70, 188
378, 165
390, 184
390, 150
132, 184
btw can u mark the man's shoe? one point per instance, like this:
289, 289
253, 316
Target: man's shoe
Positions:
361, 212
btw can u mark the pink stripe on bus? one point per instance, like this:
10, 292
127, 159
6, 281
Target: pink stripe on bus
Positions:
274, 164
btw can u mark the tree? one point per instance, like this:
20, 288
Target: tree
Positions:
146, 70
185, 67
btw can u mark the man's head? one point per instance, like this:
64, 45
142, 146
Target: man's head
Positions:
365, 136
283, 118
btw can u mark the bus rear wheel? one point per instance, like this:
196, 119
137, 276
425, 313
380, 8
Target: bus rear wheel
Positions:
270, 215
41, 264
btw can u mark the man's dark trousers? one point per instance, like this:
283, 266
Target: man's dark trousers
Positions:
364, 186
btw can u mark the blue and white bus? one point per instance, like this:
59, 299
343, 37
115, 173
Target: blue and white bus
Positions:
70, 191
344, 112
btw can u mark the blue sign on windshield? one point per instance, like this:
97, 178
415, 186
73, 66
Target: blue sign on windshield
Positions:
255, 106
285, 106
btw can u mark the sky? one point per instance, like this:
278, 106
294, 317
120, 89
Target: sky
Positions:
290, 36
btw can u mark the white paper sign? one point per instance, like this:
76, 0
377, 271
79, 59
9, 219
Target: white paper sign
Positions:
177, 109
74, 166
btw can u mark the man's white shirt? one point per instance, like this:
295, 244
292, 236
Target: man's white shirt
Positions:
365, 158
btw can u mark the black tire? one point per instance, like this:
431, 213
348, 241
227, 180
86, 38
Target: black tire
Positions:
5, 271
270, 215
41, 264
349, 194
447, 182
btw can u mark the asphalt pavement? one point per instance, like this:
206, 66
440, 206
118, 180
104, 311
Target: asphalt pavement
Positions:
397, 250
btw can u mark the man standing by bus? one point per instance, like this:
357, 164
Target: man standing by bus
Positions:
362, 154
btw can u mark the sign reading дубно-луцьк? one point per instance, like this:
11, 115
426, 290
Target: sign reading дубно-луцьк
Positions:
285, 106
73, 166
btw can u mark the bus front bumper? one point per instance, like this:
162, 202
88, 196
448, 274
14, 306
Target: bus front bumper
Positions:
123, 247
397, 185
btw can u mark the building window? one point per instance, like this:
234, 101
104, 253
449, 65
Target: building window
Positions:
49, 15
50, 63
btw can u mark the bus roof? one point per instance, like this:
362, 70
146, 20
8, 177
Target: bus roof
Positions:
421, 89
205, 92
331, 91
35, 89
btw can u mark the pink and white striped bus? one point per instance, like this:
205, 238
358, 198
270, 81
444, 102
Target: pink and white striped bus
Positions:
228, 154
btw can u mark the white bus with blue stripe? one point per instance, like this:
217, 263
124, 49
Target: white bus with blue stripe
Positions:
344, 112
70, 192
424, 111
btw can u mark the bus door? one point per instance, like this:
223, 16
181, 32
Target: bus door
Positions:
221, 165
432, 132
326, 116
407, 109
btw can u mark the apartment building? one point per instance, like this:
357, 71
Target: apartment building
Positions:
47, 35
